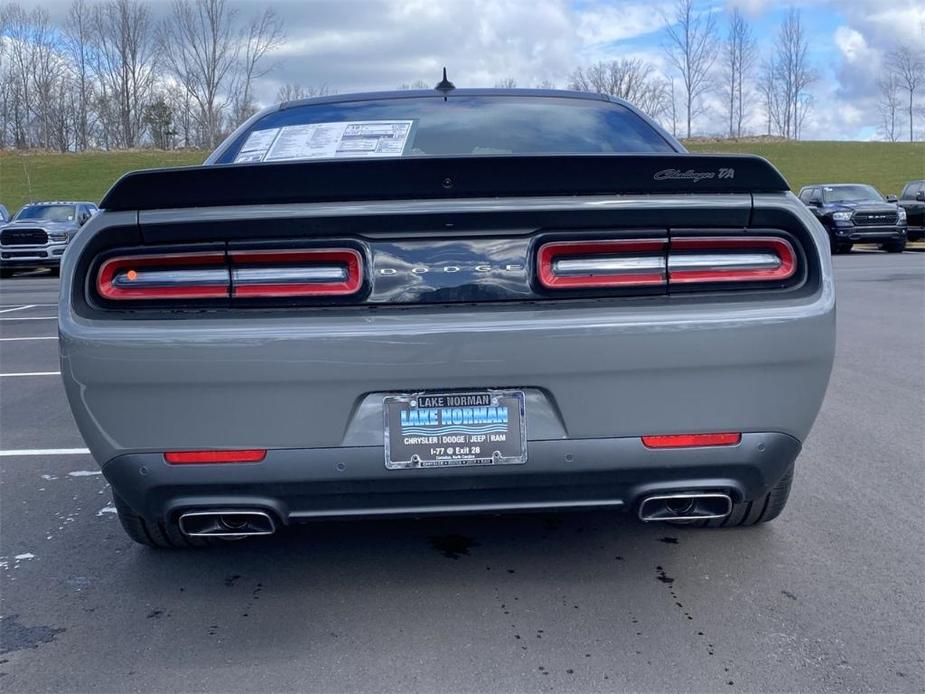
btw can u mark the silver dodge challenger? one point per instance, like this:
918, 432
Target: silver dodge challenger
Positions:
446, 301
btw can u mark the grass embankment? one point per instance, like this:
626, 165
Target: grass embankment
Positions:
84, 176
89, 175
885, 165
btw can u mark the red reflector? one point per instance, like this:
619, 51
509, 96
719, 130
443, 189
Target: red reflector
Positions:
691, 440
730, 259
589, 264
201, 275
188, 457
291, 273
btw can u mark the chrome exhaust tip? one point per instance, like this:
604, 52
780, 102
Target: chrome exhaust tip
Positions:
227, 523
685, 507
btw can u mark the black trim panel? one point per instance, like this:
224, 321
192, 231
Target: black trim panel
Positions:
441, 178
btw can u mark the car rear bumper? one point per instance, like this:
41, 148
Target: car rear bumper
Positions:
303, 484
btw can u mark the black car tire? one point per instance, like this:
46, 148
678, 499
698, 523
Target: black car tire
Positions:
894, 246
6, 272
160, 535
760, 510
839, 248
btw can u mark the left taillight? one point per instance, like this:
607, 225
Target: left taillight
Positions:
238, 274
296, 273
167, 276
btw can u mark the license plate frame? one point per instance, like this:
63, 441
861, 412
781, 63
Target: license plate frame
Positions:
485, 435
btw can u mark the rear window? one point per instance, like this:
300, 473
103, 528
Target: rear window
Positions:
457, 125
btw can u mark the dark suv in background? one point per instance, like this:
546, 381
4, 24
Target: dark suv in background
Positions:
857, 213
912, 201
39, 233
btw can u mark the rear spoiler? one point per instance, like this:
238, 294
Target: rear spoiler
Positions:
441, 178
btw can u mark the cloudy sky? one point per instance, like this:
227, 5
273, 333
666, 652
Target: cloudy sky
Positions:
358, 45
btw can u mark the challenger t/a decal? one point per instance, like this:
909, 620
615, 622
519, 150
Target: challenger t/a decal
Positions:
691, 175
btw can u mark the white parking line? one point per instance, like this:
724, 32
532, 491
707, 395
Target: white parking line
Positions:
32, 373
18, 308
16, 339
44, 451
31, 318
31, 305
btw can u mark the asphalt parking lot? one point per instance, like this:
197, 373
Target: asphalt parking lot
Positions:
827, 598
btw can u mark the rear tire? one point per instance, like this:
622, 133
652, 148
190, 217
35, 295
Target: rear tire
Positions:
6, 272
161, 535
894, 246
839, 248
761, 510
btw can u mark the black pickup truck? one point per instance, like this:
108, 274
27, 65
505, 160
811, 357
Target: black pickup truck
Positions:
912, 201
857, 213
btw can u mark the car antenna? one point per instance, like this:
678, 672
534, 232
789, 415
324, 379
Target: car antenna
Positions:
444, 85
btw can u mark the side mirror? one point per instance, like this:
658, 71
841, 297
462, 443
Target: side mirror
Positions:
920, 196
891, 198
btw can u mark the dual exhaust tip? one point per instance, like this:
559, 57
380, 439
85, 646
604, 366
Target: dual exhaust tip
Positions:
230, 524
685, 507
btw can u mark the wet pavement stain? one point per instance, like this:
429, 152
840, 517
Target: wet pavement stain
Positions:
231, 580
669, 540
16, 637
662, 576
453, 546
788, 594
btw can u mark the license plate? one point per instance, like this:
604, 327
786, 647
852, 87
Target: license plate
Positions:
455, 429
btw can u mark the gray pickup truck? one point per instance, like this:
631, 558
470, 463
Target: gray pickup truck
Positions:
38, 234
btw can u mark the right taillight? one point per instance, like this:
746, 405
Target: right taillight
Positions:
651, 263
622, 263
705, 260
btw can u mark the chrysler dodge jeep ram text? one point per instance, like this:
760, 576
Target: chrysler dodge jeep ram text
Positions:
446, 301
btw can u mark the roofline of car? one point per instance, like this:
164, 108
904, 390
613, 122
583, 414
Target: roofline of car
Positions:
216, 155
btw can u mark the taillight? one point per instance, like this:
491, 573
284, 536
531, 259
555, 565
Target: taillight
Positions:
168, 276
692, 440
687, 261
290, 273
244, 274
199, 457
730, 259
589, 264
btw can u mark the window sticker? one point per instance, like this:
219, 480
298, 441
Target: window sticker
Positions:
257, 145
380, 138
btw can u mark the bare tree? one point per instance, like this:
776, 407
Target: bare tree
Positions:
738, 60
628, 78
294, 92
18, 44
261, 36
793, 75
506, 83
909, 66
78, 33
417, 84
124, 60
691, 49
889, 105
200, 51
